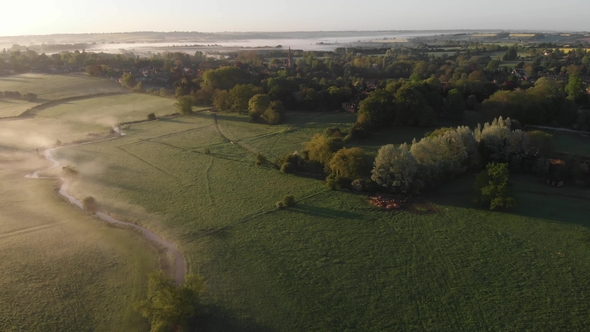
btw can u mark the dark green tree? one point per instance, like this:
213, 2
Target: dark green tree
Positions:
491, 187
184, 104
169, 307
454, 105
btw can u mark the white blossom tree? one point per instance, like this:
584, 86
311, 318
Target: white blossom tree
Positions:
394, 168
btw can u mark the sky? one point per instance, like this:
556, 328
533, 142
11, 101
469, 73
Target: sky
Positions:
90, 16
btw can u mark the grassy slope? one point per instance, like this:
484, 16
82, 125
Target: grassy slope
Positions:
11, 107
334, 262
62, 270
52, 87
74, 120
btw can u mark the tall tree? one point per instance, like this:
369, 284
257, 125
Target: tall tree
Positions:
491, 187
455, 105
184, 104
575, 89
221, 100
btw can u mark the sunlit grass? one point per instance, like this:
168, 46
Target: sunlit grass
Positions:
334, 262
54, 86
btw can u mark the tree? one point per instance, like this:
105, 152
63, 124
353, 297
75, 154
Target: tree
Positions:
127, 80
394, 168
221, 100
575, 88
491, 187
510, 55
274, 114
478, 75
454, 105
223, 78
184, 104
259, 103
94, 70
348, 163
169, 307
321, 148
240, 95
541, 143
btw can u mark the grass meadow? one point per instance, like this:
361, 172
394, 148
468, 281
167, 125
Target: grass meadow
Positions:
11, 107
53, 87
334, 262
81, 119
62, 270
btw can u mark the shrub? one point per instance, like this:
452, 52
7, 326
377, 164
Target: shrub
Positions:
254, 116
305, 154
333, 132
207, 151
70, 171
289, 201
260, 159
288, 168
280, 205
151, 116
58, 142
90, 204
335, 182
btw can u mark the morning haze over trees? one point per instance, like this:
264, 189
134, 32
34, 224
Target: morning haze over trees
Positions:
443, 178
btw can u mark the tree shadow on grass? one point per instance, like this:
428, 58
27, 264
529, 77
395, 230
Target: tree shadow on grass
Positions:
218, 319
325, 212
534, 199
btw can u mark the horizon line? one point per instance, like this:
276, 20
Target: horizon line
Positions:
287, 31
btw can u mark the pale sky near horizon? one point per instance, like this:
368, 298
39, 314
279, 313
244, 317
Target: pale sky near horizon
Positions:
85, 16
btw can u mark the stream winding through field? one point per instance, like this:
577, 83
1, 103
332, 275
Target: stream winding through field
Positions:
179, 262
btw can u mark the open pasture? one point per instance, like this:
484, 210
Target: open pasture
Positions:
14, 107
58, 86
63, 270
334, 262
81, 119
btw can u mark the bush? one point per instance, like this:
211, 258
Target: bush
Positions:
280, 205
151, 116
90, 204
288, 168
57, 143
70, 171
260, 159
289, 201
334, 182
333, 132
207, 151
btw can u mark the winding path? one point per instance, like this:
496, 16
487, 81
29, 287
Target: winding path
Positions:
179, 262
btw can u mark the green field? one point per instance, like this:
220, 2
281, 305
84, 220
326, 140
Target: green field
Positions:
572, 143
63, 270
335, 263
75, 120
10, 107
52, 87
